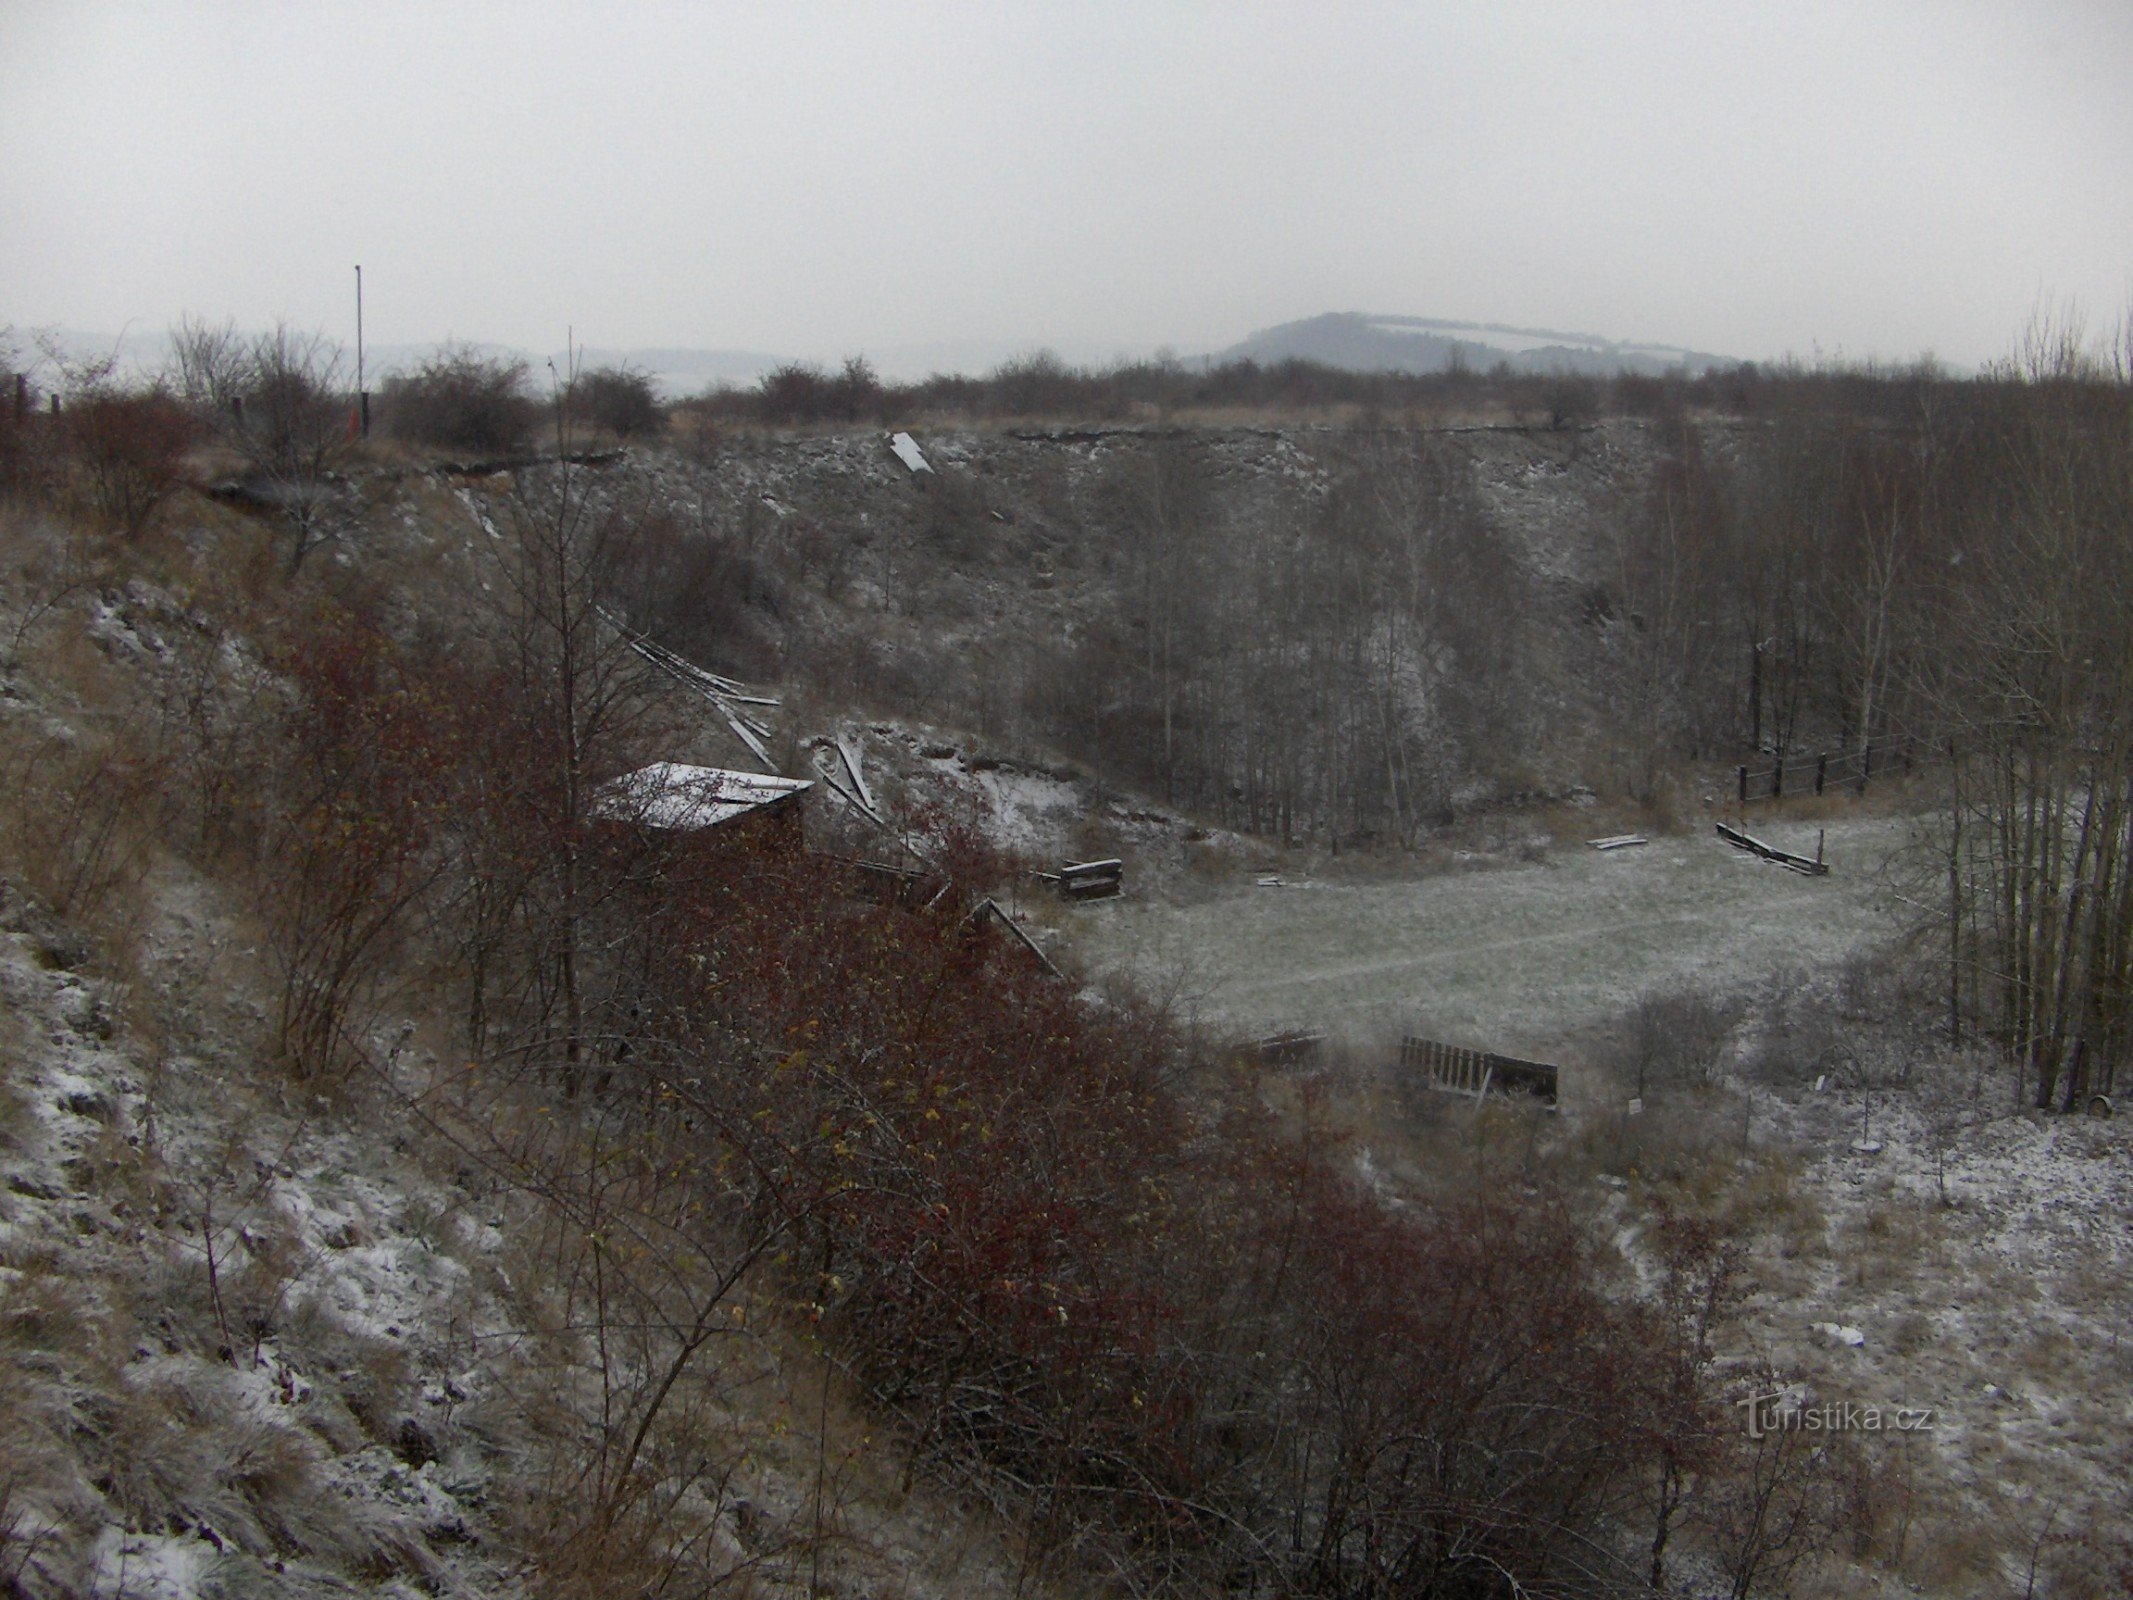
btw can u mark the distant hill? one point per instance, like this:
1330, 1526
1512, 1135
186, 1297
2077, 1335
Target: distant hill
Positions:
1351, 340
1359, 342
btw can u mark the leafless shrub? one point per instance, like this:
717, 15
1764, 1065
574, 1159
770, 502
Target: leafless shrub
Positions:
1799, 1032
1774, 1504
56, 560
21, 1534
350, 837
1035, 384
280, 399
800, 392
461, 399
114, 444
1674, 1039
620, 401
77, 820
700, 589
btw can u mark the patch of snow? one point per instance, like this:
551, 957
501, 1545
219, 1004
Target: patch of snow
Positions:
476, 511
1031, 812
148, 1566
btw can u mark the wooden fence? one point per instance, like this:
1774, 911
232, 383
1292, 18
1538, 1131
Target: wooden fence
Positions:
1458, 1070
1792, 775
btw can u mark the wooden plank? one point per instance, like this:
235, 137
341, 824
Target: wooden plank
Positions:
1619, 841
859, 782
1784, 858
1739, 840
991, 906
748, 737
1291, 1046
1093, 869
719, 691
830, 783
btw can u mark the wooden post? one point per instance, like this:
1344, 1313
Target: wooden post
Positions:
1755, 694
55, 405
1955, 901
1820, 835
1821, 772
1777, 778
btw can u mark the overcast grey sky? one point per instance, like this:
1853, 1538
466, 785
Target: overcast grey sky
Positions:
1870, 178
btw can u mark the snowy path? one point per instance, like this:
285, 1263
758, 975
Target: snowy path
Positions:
1515, 958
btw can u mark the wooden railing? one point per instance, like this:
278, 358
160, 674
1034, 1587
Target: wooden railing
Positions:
1458, 1070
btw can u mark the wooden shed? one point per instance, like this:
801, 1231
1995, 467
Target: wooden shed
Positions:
750, 809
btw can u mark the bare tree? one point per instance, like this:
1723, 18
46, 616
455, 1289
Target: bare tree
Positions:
281, 400
2039, 690
574, 706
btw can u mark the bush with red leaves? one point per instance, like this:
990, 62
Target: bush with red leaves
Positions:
1154, 1326
129, 451
350, 837
1135, 1317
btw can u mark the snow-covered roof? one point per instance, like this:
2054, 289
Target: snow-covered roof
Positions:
668, 794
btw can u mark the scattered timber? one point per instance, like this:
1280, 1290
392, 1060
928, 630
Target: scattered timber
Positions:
861, 794
726, 696
1817, 868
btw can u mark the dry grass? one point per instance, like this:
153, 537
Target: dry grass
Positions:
17, 1121
1953, 1555
1895, 1243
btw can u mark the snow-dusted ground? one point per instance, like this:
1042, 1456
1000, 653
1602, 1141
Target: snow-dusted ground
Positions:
277, 1425
338, 1406
1978, 1266
1515, 958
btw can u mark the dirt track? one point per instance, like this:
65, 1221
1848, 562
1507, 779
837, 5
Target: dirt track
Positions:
1515, 958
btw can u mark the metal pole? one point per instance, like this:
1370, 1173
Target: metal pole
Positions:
362, 394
